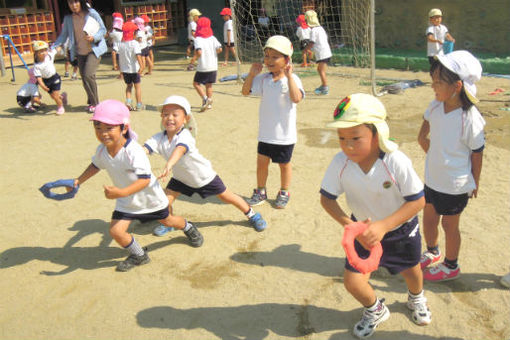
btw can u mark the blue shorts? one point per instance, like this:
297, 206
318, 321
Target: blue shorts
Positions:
205, 77
131, 78
145, 52
446, 204
228, 44
53, 83
155, 215
401, 248
277, 153
214, 187
326, 61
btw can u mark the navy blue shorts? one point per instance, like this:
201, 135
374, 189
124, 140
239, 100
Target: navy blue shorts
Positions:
205, 77
401, 248
155, 215
23, 101
326, 61
53, 83
214, 187
228, 44
446, 204
145, 52
131, 78
277, 153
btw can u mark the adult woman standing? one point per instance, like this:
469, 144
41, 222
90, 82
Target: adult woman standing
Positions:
87, 49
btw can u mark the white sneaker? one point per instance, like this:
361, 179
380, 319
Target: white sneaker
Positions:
421, 314
370, 320
505, 280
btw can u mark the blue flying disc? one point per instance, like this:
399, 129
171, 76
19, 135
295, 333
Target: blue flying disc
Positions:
46, 189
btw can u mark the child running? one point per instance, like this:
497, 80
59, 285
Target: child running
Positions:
131, 65
320, 46
452, 136
47, 77
280, 90
303, 33
192, 173
382, 190
136, 190
228, 34
28, 94
207, 48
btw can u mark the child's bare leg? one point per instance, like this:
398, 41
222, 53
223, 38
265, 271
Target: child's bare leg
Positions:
450, 225
138, 92
199, 89
233, 51
226, 56
262, 170
430, 225
129, 87
208, 90
357, 284
118, 231
229, 197
149, 64
56, 97
151, 56
414, 279
321, 69
285, 175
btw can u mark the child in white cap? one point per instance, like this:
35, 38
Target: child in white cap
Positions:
436, 33
193, 16
320, 46
280, 90
136, 190
452, 136
191, 172
382, 190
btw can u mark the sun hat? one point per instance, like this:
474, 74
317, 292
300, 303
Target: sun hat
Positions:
177, 100
311, 18
117, 15
128, 30
146, 18
139, 22
204, 29
39, 45
113, 112
194, 12
435, 12
361, 108
301, 21
226, 11
117, 23
281, 44
467, 67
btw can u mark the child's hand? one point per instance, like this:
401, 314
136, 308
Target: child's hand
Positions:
255, 69
46, 88
112, 192
288, 69
165, 172
372, 235
75, 184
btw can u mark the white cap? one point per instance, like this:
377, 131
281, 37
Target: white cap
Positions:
467, 67
194, 12
177, 100
281, 44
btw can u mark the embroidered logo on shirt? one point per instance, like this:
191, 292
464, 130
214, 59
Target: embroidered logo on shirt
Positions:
386, 184
342, 106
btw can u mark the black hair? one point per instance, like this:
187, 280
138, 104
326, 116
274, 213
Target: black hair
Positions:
372, 128
126, 135
450, 77
84, 7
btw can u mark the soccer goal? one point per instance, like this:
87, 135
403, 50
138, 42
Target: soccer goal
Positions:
347, 23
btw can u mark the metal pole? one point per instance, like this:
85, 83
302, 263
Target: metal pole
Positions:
2, 63
236, 39
372, 46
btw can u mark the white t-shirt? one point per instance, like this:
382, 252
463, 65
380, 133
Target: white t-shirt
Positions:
128, 50
28, 90
141, 36
453, 137
192, 27
277, 112
192, 169
438, 33
128, 165
116, 38
390, 183
320, 43
149, 32
208, 61
228, 27
303, 33
46, 68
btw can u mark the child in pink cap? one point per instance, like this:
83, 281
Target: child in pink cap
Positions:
115, 36
136, 190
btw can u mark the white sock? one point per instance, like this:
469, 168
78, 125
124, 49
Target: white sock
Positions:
375, 306
250, 213
135, 248
417, 296
187, 226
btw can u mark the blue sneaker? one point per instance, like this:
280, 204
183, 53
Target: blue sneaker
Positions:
161, 230
258, 222
322, 90
257, 198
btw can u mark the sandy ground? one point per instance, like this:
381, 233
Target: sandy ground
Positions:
57, 260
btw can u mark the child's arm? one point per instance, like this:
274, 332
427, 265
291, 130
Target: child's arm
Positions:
476, 169
423, 136
174, 158
196, 54
42, 85
255, 69
218, 50
113, 192
295, 93
430, 38
449, 37
90, 171
334, 210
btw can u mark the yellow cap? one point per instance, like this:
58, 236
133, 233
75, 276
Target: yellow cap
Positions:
311, 18
194, 12
39, 45
435, 12
361, 108
281, 44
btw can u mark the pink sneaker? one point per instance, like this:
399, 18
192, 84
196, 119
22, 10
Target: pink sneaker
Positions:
61, 111
428, 258
64, 98
441, 273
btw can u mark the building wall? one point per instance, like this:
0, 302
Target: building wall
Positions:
478, 26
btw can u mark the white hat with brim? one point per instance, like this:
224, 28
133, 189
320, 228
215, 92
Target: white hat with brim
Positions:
467, 67
361, 108
194, 12
435, 12
311, 18
38, 45
281, 44
177, 100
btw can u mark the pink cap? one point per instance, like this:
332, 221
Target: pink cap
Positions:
139, 22
117, 23
113, 112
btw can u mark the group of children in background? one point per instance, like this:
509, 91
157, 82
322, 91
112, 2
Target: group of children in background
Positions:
381, 187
